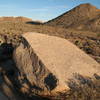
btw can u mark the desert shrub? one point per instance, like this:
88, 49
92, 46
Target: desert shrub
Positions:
98, 34
81, 88
78, 43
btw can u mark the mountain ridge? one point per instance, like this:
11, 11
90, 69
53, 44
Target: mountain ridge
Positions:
76, 16
19, 18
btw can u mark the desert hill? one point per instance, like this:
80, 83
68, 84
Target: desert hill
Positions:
76, 17
19, 19
23, 19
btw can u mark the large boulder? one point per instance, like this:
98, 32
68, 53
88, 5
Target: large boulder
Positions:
46, 63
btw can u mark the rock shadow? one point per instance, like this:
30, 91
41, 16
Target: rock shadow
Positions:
34, 23
9, 70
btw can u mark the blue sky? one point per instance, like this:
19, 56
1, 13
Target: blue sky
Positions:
40, 9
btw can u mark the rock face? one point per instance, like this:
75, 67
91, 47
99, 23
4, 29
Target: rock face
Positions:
35, 77
46, 63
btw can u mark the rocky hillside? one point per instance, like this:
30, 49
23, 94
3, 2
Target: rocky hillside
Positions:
91, 25
78, 16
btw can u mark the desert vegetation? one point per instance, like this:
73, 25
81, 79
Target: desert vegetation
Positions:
82, 88
85, 40
83, 30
